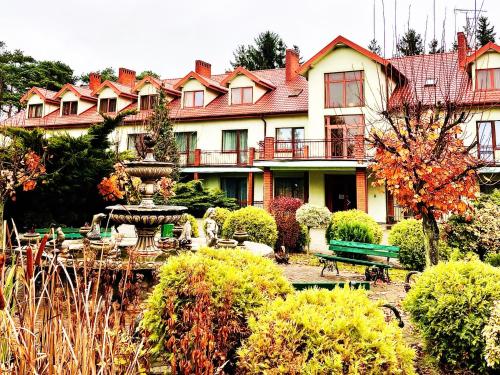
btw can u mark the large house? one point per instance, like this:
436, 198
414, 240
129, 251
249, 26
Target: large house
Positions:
297, 131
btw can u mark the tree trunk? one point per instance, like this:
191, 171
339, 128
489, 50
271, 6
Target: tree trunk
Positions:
431, 238
2, 240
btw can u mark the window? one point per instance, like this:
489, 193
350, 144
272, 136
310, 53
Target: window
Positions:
292, 187
70, 108
344, 136
430, 82
242, 95
344, 89
488, 79
148, 102
488, 138
107, 105
134, 141
235, 187
35, 110
193, 99
235, 141
187, 142
289, 138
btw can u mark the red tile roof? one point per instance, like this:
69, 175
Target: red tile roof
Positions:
205, 81
158, 83
44, 94
452, 83
82, 92
118, 88
255, 78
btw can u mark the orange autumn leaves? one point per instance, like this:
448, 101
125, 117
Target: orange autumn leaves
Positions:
425, 167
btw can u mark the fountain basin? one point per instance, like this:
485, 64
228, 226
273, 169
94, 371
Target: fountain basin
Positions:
146, 220
149, 170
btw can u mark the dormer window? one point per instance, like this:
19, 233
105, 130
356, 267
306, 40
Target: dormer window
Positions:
107, 105
35, 110
488, 79
193, 99
69, 108
242, 95
148, 102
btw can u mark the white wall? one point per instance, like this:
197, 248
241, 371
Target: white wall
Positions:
70, 96
46, 108
377, 207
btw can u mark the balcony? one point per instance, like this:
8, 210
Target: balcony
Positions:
217, 158
352, 149
489, 155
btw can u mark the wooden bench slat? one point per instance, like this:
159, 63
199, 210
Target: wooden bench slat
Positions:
368, 246
385, 254
353, 261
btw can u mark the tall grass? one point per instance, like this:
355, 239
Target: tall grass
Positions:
60, 320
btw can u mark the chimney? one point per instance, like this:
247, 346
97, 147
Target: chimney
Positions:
126, 77
203, 68
292, 64
462, 49
94, 80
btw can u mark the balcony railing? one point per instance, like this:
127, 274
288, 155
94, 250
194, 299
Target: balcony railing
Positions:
217, 158
489, 155
352, 148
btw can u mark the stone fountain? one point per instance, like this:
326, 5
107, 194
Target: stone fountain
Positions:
147, 216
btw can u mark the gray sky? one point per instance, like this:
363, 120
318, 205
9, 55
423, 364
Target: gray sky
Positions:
167, 36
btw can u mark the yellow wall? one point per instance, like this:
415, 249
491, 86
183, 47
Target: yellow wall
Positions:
69, 96
194, 85
344, 59
377, 207
488, 60
243, 81
121, 103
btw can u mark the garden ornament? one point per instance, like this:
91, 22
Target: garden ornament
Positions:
211, 228
95, 227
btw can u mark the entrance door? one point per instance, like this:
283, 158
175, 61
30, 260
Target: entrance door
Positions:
340, 192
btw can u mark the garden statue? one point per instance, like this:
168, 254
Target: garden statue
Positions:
95, 227
185, 237
211, 228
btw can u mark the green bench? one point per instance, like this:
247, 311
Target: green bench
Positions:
300, 285
374, 270
72, 233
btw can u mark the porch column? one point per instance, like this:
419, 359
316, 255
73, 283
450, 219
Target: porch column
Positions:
196, 176
250, 189
268, 148
361, 190
268, 187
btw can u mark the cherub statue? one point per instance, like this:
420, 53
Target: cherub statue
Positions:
211, 228
185, 237
95, 227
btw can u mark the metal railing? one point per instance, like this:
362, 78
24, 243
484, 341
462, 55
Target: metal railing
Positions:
206, 158
352, 148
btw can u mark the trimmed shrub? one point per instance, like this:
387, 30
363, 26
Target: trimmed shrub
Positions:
493, 259
450, 304
349, 217
196, 316
409, 236
491, 333
304, 237
260, 225
313, 216
197, 198
355, 231
477, 233
324, 332
283, 210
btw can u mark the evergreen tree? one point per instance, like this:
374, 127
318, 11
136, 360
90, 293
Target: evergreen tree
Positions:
484, 33
106, 74
433, 47
410, 44
162, 130
146, 73
374, 47
20, 72
268, 52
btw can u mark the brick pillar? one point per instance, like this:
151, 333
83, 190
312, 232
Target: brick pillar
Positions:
250, 189
251, 155
196, 176
197, 157
390, 206
268, 187
361, 190
359, 146
268, 148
